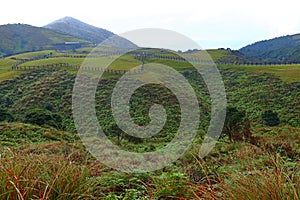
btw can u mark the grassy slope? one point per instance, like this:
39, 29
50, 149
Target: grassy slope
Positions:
288, 73
8, 62
5, 66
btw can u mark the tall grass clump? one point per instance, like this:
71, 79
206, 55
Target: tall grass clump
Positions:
280, 180
32, 176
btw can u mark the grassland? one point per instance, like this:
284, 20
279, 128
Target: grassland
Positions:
32, 54
5, 69
288, 73
6, 64
49, 61
214, 54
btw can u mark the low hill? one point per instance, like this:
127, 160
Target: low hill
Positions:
228, 56
17, 38
285, 49
79, 29
220, 56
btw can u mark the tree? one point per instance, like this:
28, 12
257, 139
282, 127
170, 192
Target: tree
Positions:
236, 125
270, 118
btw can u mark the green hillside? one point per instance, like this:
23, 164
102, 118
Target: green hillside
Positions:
16, 38
284, 49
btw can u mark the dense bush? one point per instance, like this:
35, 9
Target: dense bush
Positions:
270, 118
43, 117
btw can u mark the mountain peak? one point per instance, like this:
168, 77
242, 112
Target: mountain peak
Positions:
79, 29
70, 19
66, 19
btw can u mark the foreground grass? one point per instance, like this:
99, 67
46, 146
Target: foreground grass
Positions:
25, 176
264, 176
44, 174
282, 182
57, 169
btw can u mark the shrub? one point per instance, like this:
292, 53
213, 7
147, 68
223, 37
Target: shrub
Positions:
43, 117
270, 118
171, 185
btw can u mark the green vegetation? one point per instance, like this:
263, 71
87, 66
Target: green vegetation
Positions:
42, 156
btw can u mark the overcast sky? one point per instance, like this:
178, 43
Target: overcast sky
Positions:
211, 23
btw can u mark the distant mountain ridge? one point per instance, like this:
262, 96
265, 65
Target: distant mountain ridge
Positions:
79, 29
285, 49
17, 38
71, 33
